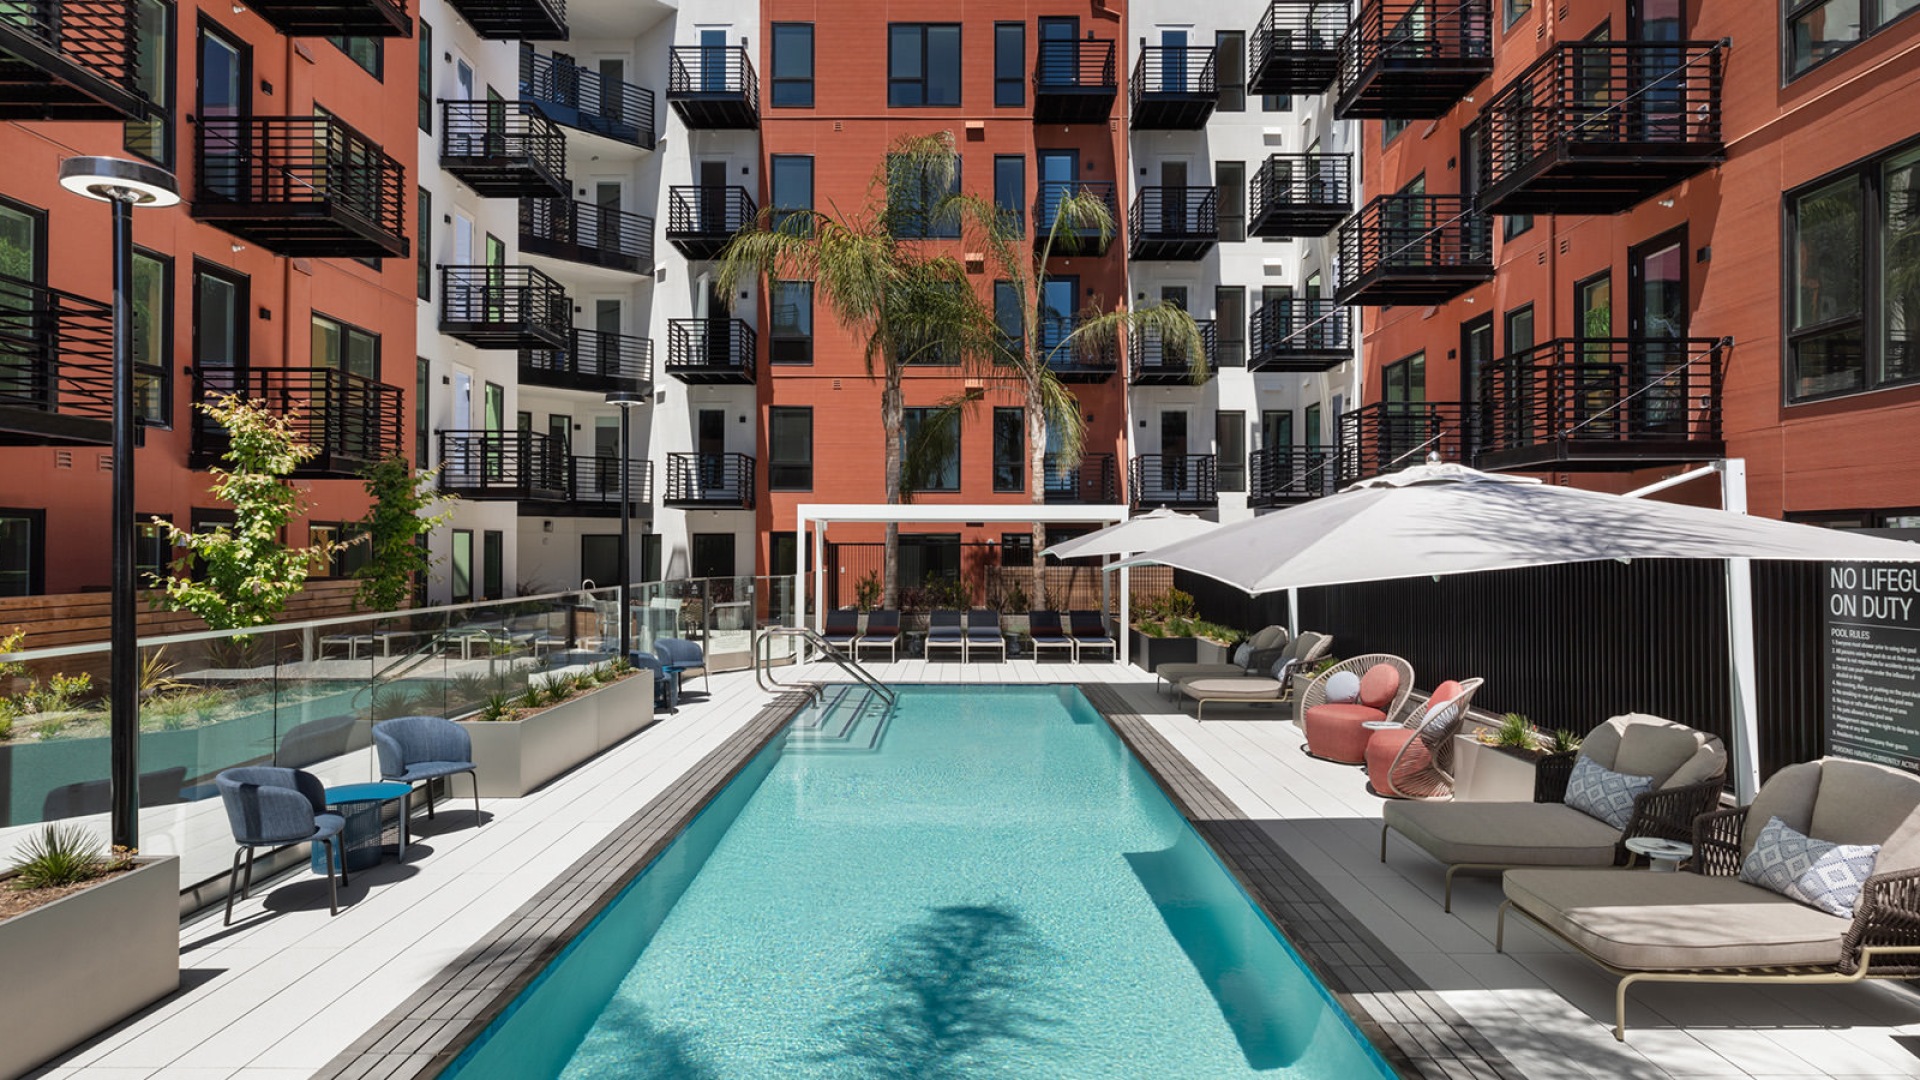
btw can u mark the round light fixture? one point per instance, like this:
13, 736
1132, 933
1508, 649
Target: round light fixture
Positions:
119, 180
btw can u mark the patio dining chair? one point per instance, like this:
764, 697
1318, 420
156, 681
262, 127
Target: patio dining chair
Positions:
945, 631
271, 807
883, 632
685, 655
983, 633
422, 749
1044, 626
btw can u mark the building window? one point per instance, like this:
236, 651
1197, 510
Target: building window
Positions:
600, 558
152, 551
1276, 102
1391, 128
1231, 212
1513, 225
423, 247
790, 183
493, 564
1009, 449
425, 36
1513, 9
1230, 443
219, 328
1519, 330
792, 308
1008, 316
793, 65
1230, 70
152, 138
1230, 326
23, 557
1010, 64
914, 196
364, 51
923, 64
789, 448
1016, 549
153, 339
1010, 192
1819, 29
422, 381
462, 566
348, 348
931, 449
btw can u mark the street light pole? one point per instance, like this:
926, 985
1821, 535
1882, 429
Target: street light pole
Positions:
626, 399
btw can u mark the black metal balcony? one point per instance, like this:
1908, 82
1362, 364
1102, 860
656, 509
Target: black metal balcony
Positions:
323, 18
515, 20
353, 421
1414, 249
503, 149
1074, 82
1179, 224
710, 481
301, 186
1299, 195
497, 466
1412, 59
1284, 475
1091, 482
1072, 240
596, 361
700, 220
581, 98
1157, 363
1599, 404
1300, 334
590, 487
1296, 47
1179, 481
1388, 436
710, 352
586, 233
69, 60
714, 87
504, 307
1074, 359
56, 366
1597, 127
1174, 87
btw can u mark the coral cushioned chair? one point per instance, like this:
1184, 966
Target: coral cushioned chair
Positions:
1336, 729
1416, 761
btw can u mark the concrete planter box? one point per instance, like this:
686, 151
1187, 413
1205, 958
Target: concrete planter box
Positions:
515, 757
87, 961
1149, 653
1489, 774
623, 709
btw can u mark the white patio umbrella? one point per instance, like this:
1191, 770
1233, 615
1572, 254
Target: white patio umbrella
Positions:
1143, 533
1448, 519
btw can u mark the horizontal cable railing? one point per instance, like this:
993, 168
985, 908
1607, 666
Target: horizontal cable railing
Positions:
337, 412
1170, 479
1295, 325
56, 351
1415, 232
99, 35
1284, 473
503, 464
596, 354
595, 481
1286, 180
504, 296
582, 97
291, 160
1390, 435
720, 479
500, 131
712, 69
1414, 33
1156, 360
1090, 482
709, 211
1605, 390
1084, 64
1173, 69
710, 345
556, 225
1175, 213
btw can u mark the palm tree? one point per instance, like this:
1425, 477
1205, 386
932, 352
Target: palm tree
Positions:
872, 269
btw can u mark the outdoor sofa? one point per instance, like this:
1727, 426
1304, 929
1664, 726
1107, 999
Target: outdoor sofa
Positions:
1709, 924
1687, 766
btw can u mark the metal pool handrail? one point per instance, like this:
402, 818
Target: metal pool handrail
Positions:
762, 666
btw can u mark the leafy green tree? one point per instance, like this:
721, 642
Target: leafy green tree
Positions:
402, 511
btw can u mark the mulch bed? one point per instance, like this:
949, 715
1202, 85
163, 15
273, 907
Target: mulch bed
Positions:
15, 901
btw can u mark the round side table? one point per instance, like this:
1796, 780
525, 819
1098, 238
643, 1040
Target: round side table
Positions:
360, 804
1663, 856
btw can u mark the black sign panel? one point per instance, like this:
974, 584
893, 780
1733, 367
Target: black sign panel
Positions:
1873, 662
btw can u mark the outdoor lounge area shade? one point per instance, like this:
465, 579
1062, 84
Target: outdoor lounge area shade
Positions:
1143, 533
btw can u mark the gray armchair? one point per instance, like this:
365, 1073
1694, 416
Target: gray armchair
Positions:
421, 749
271, 807
685, 655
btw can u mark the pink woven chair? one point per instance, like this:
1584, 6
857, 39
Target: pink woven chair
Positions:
1336, 731
1416, 761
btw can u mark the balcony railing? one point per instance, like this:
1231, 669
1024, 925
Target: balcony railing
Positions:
714, 86
587, 233
301, 186
1072, 241
352, 420
69, 60
1157, 363
590, 487
1283, 475
1296, 47
596, 361
1174, 480
1091, 482
1300, 334
700, 220
320, 18
1388, 436
1299, 195
504, 465
1597, 127
1074, 82
515, 20
504, 307
1608, 403
56, 365
1074, 359
1174, 223
1414, 249
582, 98
1413, 59
710, 352
503, 149
714, 481
1173, 87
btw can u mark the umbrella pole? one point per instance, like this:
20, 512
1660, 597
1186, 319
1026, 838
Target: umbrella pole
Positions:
1743, 693
1126, 593
1293, 613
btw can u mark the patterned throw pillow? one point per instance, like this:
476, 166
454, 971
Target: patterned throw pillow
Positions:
1827, 876
1243, 654
1599, 792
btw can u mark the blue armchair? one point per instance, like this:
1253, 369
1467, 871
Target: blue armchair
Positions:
271, 807
685, 655
666, 689
416, 749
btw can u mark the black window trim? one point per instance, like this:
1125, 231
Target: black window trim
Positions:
243, 292
163, 368
1019, 79
36, 518
346, 330
774, 464
424, 35
1021, 462
1868, 31
960, 54
774, 336
775, 80
162, 116
379, 68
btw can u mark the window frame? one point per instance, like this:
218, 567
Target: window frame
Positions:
777, 468
422, 412
1871, 23
801, 343
1018, 206
1512, 11
424, 33
162, 115
454, 568
36, 569
925, 230
345, 43
347, 331
778, 210
959, 66
161, 369
912, 414
1232, 42
1018, 80
1239, 188
493, 564
423, 245
243, 298
776, 81
1238, 327
1018, 414
1230, 469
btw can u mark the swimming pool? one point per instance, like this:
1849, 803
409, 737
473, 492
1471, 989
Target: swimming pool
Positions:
991, 887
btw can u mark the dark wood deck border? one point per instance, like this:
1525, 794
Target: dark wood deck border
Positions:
431, 1028
1412, 1026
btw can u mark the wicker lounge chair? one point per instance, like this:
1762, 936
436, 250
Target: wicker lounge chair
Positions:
1687, 767
946, 631
1416, 761
983, 633
1089, 631
883, 632
1706, 925
1335, 729
843, 628
1265, 648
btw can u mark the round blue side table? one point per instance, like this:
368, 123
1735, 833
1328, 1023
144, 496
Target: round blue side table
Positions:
360, 804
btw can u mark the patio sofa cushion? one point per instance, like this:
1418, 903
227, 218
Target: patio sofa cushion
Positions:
1351, 713
1843, 802
1640, 921
1828, 876
1600, 792
1504, 833
1245, 689
1379, 685
1644, 751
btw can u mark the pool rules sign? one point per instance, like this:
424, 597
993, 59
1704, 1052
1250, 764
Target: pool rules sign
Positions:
1873, 662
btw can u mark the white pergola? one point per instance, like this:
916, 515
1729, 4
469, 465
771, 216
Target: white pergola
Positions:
822, 515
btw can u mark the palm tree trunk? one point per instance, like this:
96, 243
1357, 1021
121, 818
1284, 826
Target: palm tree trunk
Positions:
1037, 483
892, 420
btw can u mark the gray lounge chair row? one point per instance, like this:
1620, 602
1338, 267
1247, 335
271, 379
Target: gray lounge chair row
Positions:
977, 631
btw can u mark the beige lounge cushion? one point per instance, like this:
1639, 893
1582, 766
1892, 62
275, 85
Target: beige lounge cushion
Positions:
1675, 755
1504, 833
1269, 637
1179, 673
1248, 689
1642, 921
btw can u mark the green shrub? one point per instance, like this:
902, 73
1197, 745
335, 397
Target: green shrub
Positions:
534, 697
497, 708
60, 855
867, 591
1562, 741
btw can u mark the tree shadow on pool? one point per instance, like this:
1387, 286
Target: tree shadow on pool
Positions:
627, 1044
959, 989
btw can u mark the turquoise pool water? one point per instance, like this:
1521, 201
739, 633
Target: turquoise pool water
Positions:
995, 888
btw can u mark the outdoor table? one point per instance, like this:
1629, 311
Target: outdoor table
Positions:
1663, 856
360, 804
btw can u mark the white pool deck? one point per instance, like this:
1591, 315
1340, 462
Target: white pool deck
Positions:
287, 988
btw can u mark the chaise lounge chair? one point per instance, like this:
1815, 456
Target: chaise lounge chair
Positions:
1416, 761
1709, 924
1687, 768
1263, 650
1300, 653
843, 628
983, 633
883, 632
1089, 631
1336, 730
1044, 626
946, 631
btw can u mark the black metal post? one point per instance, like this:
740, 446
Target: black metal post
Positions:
124, 639
626, 530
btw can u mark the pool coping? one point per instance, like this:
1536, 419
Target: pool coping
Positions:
1411, 1026
425, 1033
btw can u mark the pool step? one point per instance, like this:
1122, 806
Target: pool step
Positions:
846, 718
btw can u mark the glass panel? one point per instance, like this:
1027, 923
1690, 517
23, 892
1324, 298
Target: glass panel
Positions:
793, 65
1010, 191
152, 324
791, 185
906, 85
1817, 34
462, 566
790, 449
1231, 176
1827, 254
217, 343
1010, 62
1230, 70
1230, 442
1900, 253
1009, 449
16, 556
153, 56
943, 65
1230, 326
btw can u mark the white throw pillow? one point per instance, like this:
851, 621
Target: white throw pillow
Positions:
1825, 875
1243, 654
1343, 687
1599, 792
